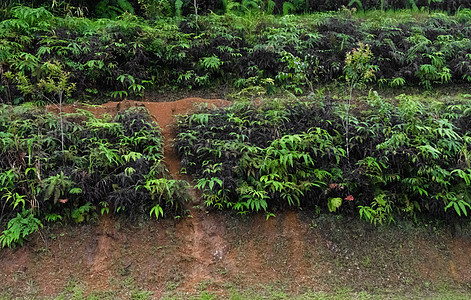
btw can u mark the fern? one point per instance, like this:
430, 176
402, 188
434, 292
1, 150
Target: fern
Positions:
212, 63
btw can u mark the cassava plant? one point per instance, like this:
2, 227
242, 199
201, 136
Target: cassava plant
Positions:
108, 165
358, 71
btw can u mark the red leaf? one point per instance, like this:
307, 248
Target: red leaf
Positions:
349, 198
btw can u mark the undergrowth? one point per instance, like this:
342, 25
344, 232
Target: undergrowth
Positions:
127, 56
108, 165
405, 161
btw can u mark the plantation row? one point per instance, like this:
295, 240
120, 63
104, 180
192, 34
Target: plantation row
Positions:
384, 162
399, 161
170, 8
54, 169
44, 58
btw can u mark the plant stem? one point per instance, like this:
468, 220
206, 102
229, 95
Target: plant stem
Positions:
347, 123
61, 120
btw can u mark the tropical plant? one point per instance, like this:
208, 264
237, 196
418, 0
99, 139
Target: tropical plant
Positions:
18, 228
103, 168
358, 71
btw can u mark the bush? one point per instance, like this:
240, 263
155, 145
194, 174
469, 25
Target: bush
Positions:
127, 56
107, 166
404, 161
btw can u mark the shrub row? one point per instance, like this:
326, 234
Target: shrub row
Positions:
123, 58
170, 8
75, 167
404, 161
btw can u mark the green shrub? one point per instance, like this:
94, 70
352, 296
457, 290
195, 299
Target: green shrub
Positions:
127, 56
94, 165
406, 161
19, 228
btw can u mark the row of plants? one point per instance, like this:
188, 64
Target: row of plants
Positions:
125, 57
75, 166
399, 161
152, 9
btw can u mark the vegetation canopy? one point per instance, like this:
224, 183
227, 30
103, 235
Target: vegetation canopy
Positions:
126, 57
404, 160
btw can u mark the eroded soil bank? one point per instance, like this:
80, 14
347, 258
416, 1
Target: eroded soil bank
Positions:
293, 252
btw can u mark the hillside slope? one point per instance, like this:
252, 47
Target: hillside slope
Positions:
294, 253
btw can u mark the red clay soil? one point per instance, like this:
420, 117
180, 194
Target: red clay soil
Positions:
219, 252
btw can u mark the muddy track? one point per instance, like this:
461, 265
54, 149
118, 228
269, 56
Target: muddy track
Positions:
201, 236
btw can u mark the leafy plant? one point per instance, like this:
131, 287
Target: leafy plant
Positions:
380, 211
56, 186
18, 228
334, 203
104, 160
358, 71
170, 195
82, 213
112, 8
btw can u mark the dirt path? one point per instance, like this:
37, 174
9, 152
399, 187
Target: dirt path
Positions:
201, 235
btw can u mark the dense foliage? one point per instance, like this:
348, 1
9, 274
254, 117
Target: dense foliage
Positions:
382, 161
404, 160
107, 165
124, 57
169, 8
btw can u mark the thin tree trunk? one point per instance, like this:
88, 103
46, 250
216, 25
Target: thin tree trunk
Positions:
347, 123
62, 121
195, 4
